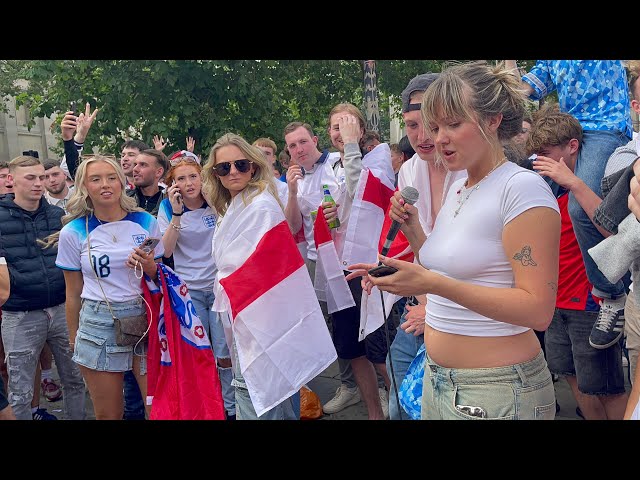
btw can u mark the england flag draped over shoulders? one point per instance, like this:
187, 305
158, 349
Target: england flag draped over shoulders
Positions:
262, 282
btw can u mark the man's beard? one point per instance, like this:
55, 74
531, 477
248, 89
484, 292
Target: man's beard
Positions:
57, 190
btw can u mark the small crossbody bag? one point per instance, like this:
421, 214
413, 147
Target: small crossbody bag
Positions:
129, 330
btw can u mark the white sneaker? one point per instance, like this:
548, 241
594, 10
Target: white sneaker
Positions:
344, 398
384, 402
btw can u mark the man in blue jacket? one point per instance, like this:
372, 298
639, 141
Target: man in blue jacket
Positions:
35, 310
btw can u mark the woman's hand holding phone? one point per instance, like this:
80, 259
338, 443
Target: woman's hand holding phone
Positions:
175, 197
142, 256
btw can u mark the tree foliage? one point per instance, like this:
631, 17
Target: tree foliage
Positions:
201, 98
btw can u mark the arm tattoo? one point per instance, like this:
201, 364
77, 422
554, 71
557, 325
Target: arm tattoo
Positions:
525, 257
554, 286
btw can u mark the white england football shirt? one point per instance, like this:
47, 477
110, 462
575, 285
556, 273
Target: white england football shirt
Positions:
192, 255
111, 244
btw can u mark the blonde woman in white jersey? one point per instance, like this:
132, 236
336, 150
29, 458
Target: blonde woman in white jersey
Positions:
187, 223
490, 266
102, 218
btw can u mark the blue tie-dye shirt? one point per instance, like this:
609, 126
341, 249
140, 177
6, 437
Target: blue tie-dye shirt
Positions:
594, 91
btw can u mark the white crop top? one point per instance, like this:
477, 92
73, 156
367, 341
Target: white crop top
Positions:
469, 248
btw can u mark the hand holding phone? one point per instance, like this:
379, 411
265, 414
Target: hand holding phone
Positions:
178, 194
149, 244
382, 271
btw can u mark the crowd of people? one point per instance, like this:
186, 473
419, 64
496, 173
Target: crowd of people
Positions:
514, 265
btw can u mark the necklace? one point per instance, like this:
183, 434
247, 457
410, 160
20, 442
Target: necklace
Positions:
461, 200
113, 237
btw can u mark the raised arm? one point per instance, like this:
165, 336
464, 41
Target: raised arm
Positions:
85, 120
560, 173
292, 210
512, 65
191, 144
68, 127
350, 133
171, 228
159, 143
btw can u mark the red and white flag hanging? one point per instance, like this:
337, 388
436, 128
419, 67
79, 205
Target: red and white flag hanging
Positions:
370, 203
330, 283
262, 282
358, 243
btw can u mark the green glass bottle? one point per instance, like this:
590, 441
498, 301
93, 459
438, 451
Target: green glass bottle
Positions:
335, 223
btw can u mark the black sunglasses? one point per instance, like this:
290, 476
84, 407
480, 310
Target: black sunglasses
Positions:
223, 168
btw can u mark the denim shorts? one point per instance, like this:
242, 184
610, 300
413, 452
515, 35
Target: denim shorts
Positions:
523, 391
95, 346
598, 372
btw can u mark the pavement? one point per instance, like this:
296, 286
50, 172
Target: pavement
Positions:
326, 384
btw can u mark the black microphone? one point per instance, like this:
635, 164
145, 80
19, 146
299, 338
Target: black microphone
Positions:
409, 195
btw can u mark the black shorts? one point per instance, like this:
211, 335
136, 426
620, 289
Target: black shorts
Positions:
598, 372
345, 326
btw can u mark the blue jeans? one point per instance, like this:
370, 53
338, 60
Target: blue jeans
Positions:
203, 301
133, 403
597, 147
523, 391
24, 334
403, 350
288, 409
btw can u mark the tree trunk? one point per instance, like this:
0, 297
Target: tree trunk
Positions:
372, 112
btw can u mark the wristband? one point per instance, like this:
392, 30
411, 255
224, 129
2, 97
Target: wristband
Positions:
177, 214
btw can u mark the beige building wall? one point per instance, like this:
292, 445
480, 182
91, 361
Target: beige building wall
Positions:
16, 138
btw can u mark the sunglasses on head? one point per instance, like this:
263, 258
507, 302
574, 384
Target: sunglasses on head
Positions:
222, 169
183, 155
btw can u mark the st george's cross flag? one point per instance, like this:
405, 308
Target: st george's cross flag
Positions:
370, 203
371, 305
359, 243
330, 283
182, 382
263, 284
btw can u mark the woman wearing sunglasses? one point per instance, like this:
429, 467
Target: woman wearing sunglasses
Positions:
187, 223
280, 338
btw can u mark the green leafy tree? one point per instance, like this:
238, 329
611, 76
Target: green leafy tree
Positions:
201, 98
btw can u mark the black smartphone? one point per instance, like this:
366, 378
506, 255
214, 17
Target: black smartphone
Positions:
149, 244
382, 271
73, 108
179, 196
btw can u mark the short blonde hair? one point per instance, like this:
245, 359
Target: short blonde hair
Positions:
266, 142
23, 161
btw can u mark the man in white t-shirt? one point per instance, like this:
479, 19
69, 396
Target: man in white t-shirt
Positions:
55, 182
309, 170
